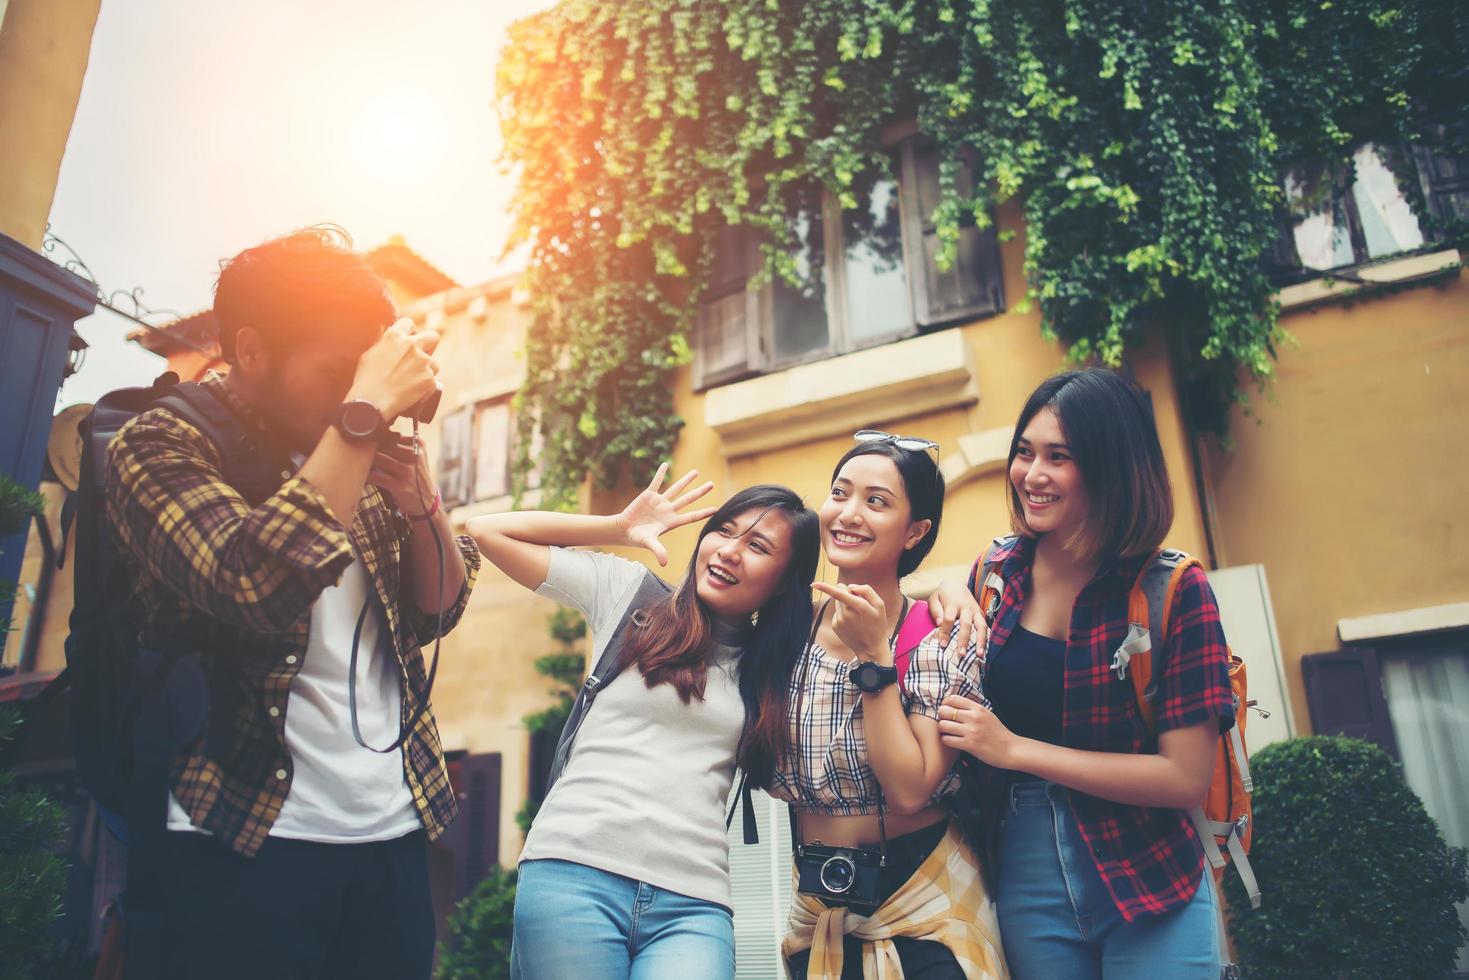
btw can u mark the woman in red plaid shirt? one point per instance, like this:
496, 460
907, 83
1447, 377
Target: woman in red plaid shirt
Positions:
1100, 871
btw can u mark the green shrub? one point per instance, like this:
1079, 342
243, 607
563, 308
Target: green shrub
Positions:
478, 947
1357, 880
32, 876
17, 506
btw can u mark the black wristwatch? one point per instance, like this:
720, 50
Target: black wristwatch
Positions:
360, 420
872, 677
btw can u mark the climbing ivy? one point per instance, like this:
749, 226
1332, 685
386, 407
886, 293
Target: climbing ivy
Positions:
1143, 141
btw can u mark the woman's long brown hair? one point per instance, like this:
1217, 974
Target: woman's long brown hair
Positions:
674, 638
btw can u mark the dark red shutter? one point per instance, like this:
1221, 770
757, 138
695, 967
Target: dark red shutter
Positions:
1344, 693
475, 837
542, 756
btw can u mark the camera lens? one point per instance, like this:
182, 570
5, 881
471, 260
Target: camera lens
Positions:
837, 874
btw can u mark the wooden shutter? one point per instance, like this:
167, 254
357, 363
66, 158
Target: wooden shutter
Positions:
492, 450
1445, 182
456, 461
542, 755
474, 838
726, 333
1344, 693
972, 286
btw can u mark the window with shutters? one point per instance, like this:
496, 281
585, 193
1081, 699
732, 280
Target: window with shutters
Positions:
478, 451
866, 276
1370, 208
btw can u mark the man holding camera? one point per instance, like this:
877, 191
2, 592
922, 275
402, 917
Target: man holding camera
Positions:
297, 825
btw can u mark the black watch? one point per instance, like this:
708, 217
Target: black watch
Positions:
872, 677
360, 420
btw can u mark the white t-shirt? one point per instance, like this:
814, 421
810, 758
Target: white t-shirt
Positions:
340, 792
643, 793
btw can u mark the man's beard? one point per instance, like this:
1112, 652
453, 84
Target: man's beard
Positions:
283, 417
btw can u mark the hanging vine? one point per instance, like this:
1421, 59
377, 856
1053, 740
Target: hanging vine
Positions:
1144, 142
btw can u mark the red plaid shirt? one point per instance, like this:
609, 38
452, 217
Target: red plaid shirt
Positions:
1150, 857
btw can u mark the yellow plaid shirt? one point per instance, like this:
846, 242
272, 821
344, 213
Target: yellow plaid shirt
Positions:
238, 581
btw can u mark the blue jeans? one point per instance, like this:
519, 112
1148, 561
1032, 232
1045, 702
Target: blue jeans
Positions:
1057, 918
572, 921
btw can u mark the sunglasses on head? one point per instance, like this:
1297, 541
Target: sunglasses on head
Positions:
913, 444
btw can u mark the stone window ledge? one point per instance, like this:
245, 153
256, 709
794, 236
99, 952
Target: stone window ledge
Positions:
841, 394
1408, 622
1329, 287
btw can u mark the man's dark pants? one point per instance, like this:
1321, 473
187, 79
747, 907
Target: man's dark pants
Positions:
298, 910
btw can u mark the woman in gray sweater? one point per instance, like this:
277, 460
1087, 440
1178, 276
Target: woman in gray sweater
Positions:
625, 872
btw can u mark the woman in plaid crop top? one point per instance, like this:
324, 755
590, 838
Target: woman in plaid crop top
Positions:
866, 767
1100, 871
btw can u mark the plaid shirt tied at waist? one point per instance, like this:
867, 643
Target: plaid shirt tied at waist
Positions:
944, 901
239, 581
1149, 857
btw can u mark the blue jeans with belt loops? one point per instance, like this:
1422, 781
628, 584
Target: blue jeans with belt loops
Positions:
1057, 918
574, 922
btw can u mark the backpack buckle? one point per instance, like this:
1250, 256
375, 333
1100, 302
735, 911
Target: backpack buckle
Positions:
1137, 641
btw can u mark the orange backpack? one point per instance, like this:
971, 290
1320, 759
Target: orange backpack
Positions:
1224, 821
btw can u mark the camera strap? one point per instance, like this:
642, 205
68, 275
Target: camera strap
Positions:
882, 830
405, 725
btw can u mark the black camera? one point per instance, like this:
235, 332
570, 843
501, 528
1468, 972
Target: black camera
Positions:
404, 448
425, 410
849, 876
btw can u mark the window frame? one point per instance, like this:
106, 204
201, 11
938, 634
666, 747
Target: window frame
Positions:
459, 485
1425, 183
760, 327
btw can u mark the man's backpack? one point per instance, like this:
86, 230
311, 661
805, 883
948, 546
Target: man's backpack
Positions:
132, 708
1224, 821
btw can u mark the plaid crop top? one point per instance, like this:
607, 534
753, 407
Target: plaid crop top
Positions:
828, 741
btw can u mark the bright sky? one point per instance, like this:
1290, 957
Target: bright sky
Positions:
206, 126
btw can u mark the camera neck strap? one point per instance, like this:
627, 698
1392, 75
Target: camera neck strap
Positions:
882, 829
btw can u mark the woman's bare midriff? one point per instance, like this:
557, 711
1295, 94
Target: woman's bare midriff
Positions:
861, 831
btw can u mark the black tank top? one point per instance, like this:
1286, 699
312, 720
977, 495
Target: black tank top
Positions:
1024, 681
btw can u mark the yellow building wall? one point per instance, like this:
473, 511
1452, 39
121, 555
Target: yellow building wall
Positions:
44, 47
1349, 483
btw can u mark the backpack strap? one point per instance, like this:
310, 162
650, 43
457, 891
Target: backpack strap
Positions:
242, 463
650, 590
742, 796
1149, 608
985, 583
914, 630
